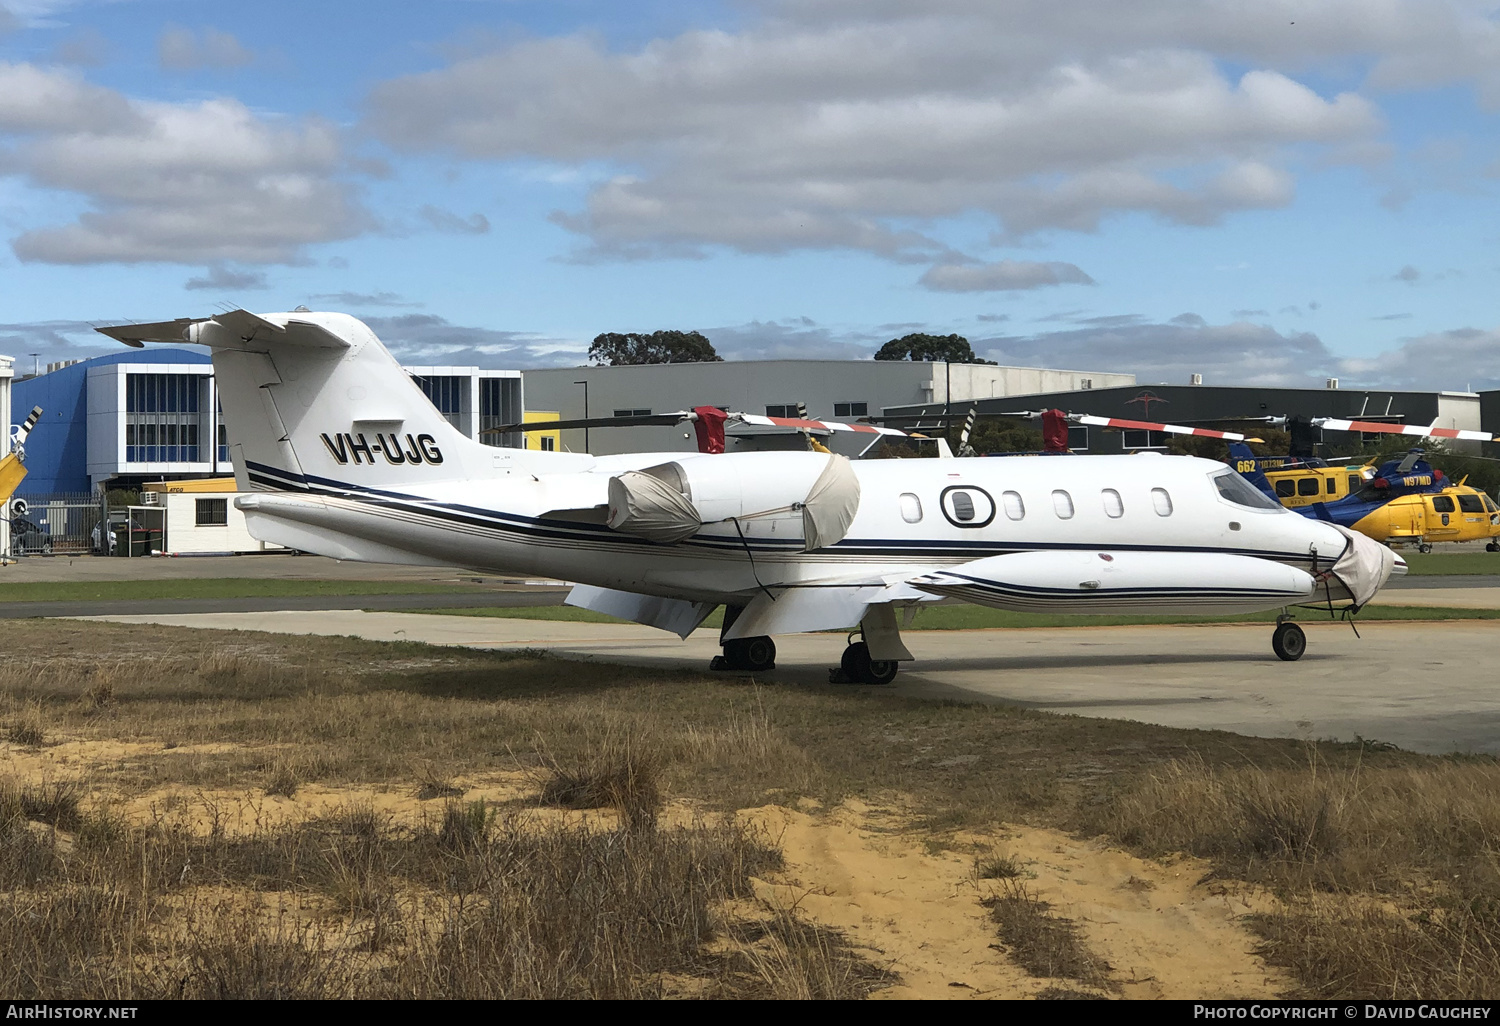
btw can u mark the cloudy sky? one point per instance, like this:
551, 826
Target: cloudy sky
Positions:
1272, 192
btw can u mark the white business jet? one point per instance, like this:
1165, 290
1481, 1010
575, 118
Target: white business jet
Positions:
350, 460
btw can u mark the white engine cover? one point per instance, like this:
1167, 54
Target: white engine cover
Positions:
1122, 582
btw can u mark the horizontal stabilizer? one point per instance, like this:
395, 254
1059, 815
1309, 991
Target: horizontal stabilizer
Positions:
233, 330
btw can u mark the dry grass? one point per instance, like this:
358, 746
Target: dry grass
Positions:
622, 773
1045, 945
1385, 861
1391, 875
476, 903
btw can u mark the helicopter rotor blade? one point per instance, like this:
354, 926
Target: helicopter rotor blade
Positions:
1142, 425
1415, 430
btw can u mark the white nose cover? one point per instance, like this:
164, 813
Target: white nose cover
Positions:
1364, 567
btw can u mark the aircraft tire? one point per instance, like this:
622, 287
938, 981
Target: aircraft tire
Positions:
858, 667
756, 654
1492, 547
1289, 642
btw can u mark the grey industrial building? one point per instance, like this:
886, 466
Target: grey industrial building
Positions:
829, 389
1202, 404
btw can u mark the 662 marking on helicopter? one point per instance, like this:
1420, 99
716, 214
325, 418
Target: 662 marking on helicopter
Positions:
344, 447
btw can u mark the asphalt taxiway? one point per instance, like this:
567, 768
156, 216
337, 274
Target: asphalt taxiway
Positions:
1425, 686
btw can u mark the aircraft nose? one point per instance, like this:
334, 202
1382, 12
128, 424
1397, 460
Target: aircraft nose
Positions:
1365, 566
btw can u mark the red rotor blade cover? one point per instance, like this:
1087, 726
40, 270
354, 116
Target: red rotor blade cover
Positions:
1054, 431
710, 428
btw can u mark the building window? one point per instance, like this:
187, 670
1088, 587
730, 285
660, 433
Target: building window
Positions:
1015, 509
1161, 501
632, 413
212, 512
1078, 437
448, 393
792, 410
1062, 502
851, 409
911, 508
161, 417
549, 444
499, 406
1114, 506
1144, 439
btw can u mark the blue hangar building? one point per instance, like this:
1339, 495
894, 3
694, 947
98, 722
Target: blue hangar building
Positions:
143, 415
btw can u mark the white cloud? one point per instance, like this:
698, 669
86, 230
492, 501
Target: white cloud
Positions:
419, 339
204, 182
1005, 275
182, 49
220, 278
447, 221
1458, 359
841, 125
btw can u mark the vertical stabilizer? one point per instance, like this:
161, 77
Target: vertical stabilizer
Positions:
313, 400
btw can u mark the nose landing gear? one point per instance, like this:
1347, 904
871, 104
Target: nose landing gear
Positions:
1288, 641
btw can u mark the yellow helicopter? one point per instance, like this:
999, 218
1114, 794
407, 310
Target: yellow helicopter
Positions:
1405, 501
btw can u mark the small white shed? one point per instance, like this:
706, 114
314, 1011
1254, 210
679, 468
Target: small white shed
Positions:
201, 518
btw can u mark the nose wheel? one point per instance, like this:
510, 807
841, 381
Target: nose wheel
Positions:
1288, 641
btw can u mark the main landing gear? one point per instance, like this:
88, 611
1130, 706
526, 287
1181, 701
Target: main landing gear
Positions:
1288, 641
856, 667
752, 654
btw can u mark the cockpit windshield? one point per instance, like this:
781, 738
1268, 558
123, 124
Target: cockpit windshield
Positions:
1234, 488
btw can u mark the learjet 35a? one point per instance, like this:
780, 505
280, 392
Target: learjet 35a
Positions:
347, 458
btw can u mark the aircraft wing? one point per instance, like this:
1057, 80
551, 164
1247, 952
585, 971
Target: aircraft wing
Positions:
1090, 581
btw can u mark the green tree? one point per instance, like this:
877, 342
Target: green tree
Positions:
934, 348
632, 348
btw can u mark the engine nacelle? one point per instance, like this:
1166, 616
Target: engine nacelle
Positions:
671, 501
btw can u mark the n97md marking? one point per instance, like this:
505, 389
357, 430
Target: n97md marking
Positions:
345, 447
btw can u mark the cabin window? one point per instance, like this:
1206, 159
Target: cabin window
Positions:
1489, 504
1354, 483
1062, 502
1333, 485
211, 513
1286, 489
1114, 506
1161, 501
911, 508
1442, 504
1307, 486
967, 506
1015, 509
1470, 504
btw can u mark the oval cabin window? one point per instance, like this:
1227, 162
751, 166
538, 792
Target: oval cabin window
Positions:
1161, 501
967, 506
911, 508
1015, 509
1063, 503
1114, 506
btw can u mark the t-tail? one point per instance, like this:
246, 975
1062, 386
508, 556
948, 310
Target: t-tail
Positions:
315, 402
